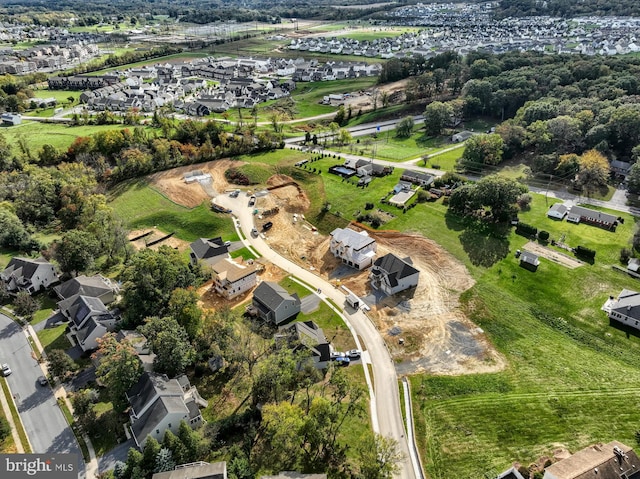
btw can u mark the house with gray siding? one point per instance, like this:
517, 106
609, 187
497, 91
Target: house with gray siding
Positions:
392, 274
271, 302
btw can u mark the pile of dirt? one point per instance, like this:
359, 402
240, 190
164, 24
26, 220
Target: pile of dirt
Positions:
171, 182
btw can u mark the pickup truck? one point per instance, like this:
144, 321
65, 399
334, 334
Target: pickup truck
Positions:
252, 200
267, 226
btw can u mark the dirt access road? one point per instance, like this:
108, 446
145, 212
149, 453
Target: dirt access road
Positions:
437, 336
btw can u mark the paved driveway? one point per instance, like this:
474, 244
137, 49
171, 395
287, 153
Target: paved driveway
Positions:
43, 421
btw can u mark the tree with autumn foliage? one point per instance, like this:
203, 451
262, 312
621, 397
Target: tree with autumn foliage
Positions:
593, 172
119, 369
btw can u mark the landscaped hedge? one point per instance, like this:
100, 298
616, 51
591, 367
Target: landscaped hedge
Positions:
526, 230
583, 252
543, 236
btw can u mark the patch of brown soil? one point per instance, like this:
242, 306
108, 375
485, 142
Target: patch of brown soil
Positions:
171, 182
156, 234
438, 338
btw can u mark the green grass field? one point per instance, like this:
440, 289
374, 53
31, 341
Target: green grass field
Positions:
140, 206
60, 95
57, 135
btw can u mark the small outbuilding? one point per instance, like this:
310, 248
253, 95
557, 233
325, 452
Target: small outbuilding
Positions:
529, 260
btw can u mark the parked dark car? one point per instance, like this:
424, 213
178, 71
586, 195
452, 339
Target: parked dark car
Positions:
267, 225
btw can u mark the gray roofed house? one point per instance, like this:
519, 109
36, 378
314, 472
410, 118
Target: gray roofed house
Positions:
307, 336
273, 303
208, 250
195, 470
557, 211
417, 177
30, 275
625, 309
462, 136
96, 286
613, 460
580, 214
392, 274
159, 404
355, 249
89, 319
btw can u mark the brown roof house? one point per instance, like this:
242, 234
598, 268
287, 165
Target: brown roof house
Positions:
613, 460
231, 278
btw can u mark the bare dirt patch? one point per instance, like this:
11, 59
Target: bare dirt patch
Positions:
553, 255
438, 338
171, 182
156, 234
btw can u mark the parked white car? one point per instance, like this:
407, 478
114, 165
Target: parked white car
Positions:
6, 370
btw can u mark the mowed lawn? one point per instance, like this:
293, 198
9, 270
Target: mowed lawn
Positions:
141, 206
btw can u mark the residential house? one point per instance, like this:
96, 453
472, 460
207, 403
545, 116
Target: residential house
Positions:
417, 178
231, 279
355, 249
12, 119
195, 470
141, 346
306, 336
271, 302
613, 460
625, 309
208, 250
529, 260
580, 214
462, 136
392, 274
621, 168
159, 404
30, 275
557, 211
96, 286
89, 319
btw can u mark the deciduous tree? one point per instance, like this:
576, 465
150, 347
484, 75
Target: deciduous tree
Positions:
119, 369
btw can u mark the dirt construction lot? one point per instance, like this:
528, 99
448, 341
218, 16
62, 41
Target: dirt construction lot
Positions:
436, 337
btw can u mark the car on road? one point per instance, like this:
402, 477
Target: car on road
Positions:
252, 200
6, 370
42, 381
267, 225
254, 232
354, 354
343, 361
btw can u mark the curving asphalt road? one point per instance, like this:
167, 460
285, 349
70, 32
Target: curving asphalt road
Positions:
386, 414
43, 421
